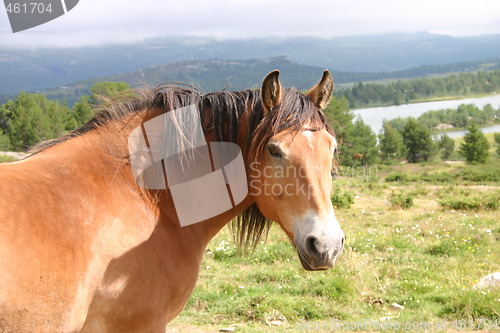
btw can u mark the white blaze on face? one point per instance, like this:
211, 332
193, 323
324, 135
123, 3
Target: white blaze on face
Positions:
309, 137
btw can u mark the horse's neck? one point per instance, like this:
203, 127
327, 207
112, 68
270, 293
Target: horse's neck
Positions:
204, 231
102, 155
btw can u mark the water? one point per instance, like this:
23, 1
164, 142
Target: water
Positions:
375, 116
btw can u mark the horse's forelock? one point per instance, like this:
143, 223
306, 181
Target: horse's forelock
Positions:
295, 113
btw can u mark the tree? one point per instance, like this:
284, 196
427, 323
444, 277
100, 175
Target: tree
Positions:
418, 141
5, 114
107, 89
33, 118
4, 141
391, 144
340, 118
82, 112
447, 146
363, 144
26, 124
475, 146
497, 140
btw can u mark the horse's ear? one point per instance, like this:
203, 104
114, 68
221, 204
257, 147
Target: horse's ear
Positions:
322, 92
271, 91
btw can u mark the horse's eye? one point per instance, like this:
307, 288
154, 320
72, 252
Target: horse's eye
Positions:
274, 150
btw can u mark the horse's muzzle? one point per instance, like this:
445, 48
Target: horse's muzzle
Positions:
317, 254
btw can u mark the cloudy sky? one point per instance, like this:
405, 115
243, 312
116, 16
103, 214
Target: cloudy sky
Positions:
94, 22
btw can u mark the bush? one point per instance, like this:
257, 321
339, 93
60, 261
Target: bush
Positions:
441, 177
465, 201
481, 175
401, 200
342, 198
399, 177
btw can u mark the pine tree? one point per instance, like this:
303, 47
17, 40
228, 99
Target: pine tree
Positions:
447, 146
475, 146
391, 144
4, 141
497, 140
82, 111
363, 143
34, 118
26, 124
340, 118
418, 141
112, 90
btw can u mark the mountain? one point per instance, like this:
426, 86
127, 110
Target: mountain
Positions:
217, 74
31, 69
205, 75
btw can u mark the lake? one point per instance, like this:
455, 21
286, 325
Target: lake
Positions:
375, 116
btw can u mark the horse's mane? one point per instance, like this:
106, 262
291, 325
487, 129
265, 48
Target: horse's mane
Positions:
294, 113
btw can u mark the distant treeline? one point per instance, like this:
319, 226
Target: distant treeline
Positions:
461, 117
401, 92
417, 72
217, 74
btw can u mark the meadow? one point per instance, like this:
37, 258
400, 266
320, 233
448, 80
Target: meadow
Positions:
415, 247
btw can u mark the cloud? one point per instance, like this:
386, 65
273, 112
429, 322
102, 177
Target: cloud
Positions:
98, 22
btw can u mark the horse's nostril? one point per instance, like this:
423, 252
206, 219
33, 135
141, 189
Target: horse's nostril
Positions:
342, 242
311, 245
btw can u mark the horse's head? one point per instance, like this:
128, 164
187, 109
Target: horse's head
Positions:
291, 176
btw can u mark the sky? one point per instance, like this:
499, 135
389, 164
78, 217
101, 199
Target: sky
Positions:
98, 22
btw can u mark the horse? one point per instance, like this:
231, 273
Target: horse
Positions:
84, 247
357, 156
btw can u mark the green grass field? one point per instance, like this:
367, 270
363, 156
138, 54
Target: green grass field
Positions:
426, 258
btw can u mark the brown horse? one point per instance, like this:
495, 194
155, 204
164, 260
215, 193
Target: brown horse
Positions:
84, 248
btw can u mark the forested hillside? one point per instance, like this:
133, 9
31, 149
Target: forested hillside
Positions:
408, 91
217, 74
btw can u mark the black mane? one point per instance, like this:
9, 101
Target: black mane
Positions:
294, 112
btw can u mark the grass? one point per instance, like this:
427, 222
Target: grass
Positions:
5, 158
425, 258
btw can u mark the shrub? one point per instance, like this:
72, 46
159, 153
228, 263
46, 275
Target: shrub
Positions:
441, 177
475, 175
401, 200
465, 201
342, 198
399, 177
